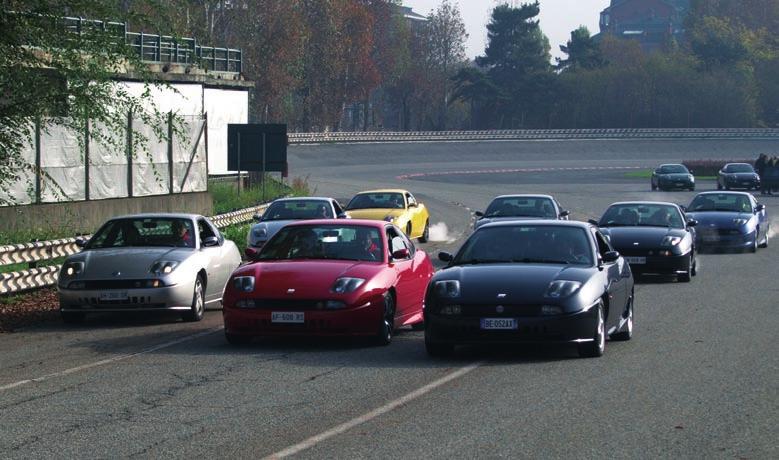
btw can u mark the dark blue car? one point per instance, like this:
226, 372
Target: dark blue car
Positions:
729, 220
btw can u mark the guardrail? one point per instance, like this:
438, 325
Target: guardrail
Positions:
530, 134
32, 253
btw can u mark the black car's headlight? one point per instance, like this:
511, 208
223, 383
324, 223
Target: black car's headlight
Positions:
447, 289
670, 241
243, 283
71, 269
561, 289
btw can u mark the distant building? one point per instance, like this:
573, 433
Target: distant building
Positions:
653, 23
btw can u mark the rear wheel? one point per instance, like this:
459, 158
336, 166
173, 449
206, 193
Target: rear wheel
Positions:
595, 348
387, 325
70, 317
198, 307
426, 233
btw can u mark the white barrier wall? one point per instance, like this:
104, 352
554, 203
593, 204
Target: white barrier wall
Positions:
223, 107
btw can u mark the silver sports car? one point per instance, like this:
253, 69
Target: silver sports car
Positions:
148, 262
285, 210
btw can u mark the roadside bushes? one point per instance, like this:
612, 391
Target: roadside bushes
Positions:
710, 168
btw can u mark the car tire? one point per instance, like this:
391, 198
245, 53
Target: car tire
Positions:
387, 325
198, 307
409, 228
719, 186
687, 277
426, 233
753, 246
627, 334
597, 347
764, 244
438, 350
70, 317
237, 340
692, 189
694, 271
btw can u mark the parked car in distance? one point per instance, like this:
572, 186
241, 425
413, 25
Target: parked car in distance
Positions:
672, 176
521, 207
396, 206
329, 278
531, 282
286, 210
148, 262
729, 220
738, 176
654, 237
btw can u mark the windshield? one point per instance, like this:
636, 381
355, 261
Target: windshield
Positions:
377, 201
348, 242
148, 232
720, 202
540, 207
298, 210
642, 215
527, 244
673, 169
739, 168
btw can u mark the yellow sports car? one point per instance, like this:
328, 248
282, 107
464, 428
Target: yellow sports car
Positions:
396, 206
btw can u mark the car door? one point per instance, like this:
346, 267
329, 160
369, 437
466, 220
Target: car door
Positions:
421, 273
762, 218
216, 270
617, 276
413, 210
406, 284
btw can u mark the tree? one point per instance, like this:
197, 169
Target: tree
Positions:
583, 52
64, 72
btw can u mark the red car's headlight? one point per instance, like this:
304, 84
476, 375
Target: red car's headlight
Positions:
243, 283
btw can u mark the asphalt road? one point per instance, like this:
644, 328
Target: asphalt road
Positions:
699, 380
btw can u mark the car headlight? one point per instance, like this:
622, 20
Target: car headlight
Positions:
740, 222
73, 268
346, 285
163, 267
388, 218
669, 241
691, 177
243, 284
562, 288
260, 232
448, 289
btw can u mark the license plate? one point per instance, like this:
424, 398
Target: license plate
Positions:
636, 260
498, 323
710, 238
114, 295
290, 317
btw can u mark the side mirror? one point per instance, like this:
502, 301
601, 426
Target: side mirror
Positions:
445, 257
611, 257
692, 223
210, 242
691, 171
251, 254
760, 208
81, 242
478, 214
593, 222
257, 217
401, 254
565, 213
342, 215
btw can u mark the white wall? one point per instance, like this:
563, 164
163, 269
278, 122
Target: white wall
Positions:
223, 107
178, 98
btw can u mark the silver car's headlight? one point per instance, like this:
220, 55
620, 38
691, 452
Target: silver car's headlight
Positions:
561, 289
670, 241
740, 222
163, 267
346, 285
72, 268
448, 289
243, 283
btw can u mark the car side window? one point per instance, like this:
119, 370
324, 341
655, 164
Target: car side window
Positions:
395, 239
410, 199
409, 245
603, 243
205, 230
338, 209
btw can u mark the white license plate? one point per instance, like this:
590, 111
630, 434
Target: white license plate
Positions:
636, 260
498, 323
114, 295
293, 317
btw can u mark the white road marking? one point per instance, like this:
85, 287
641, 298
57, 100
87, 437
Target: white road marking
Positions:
110, 360
390, 406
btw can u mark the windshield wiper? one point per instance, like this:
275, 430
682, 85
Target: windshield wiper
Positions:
541, 261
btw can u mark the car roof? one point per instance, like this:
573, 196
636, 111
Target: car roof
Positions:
159, 215
731, 164
672, 164
644, 203
723, 192
339, 223
547, 223
524, 195
303, 198
384, 190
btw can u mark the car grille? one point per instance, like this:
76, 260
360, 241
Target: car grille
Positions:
306, 327
129, 303
509, 311
113, 284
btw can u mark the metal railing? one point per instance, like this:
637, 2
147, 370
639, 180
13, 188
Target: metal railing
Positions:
32, 253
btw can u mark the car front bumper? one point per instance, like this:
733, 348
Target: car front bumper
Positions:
566, 328
671, 184
721, 240
742, 184
171, 298
660, 265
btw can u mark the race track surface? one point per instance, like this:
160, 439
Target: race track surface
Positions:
699, 380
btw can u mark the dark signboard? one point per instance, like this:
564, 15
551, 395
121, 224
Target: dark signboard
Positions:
255, 147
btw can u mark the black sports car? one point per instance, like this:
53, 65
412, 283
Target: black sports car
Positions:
738, 175
521, 207
672, 176
529, 282
653, 237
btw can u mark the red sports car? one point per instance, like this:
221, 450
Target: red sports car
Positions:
329, 278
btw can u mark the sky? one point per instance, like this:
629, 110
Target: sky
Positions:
558, 19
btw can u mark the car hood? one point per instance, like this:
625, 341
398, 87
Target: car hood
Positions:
626, 237
675, 176
311, 279
130, 263
271, 228
521, 283
718, 219
375, 213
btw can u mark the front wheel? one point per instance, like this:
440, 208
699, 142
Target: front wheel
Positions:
687, 276
426, 233
597, 346
765, 239
627, 333
198, 307
387, 325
